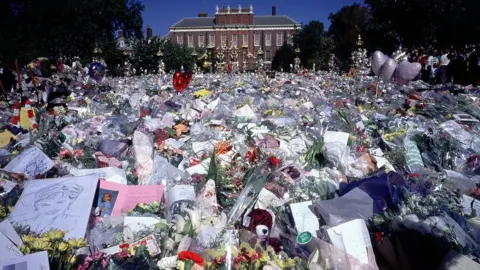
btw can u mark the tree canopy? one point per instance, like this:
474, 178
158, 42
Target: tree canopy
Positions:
315, 45
33, 28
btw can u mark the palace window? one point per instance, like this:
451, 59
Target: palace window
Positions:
256, 40
223, 40
180, 39
190, 41
268, 39
245, 40
279, 39
211, 40
267, 55
201, 41
234, 40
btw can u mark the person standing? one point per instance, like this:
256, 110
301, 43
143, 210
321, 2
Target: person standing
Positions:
443, 67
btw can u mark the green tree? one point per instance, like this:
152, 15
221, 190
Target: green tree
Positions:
440, 23
283, 58
175, 56
315, 45
346, 25
70, 27
146, 53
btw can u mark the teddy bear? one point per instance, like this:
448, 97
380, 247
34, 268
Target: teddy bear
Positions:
261, 223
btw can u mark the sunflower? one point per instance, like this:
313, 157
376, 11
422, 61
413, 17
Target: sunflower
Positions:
77, 243
41, 244
54, 235
63, 247
28, 238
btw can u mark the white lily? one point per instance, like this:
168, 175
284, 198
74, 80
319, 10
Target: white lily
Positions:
168, 263
194, 218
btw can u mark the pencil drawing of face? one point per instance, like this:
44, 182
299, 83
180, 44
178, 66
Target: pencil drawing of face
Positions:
54, 200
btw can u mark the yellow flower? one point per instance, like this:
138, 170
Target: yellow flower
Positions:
201, 93
54, 235
41, 244
63, 247
25, 250
28, 238
77, 243
71, 258
15, 152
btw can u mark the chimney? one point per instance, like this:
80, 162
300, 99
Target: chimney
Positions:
120, 33
149, 31
202, 15
274, 10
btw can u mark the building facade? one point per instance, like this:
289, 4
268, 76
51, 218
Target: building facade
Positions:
236, 28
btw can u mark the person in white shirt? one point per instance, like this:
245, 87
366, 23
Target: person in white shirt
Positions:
442, 70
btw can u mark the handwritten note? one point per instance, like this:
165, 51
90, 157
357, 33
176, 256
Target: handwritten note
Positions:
35, 261
7, 229
353, 238
127, 197
8, 250
31, 161
305, 219
138, 224
180, 197
110, 174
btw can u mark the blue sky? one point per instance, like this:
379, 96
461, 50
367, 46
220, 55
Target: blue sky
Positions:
160, 14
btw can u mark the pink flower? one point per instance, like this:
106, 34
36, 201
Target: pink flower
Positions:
79, 153
65, 153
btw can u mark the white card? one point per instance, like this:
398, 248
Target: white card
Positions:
333, 136
35, 261
8, 250
110, 174
7, 229
305, 219
353, 238
467, 205
140, 223
60, 203
31, 161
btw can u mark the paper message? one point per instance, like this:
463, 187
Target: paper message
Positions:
31, 161
138, 224
60, 203
305, 219
115, 199
179, 198
110, 174
35, 261
353, 238
334, 137
7, 229
8, 250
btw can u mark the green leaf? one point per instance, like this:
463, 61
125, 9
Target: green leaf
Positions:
212, 169
189, 264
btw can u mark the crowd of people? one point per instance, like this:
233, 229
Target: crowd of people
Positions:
460, 66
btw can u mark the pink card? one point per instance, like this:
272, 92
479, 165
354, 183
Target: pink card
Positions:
115, 199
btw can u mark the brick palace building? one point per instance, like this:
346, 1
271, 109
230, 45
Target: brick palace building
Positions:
238, 27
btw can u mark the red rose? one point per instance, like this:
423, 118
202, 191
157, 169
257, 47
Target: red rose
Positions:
273, 160
143, 243
188, 255
124, 246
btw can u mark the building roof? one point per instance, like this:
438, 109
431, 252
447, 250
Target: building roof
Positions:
257, 20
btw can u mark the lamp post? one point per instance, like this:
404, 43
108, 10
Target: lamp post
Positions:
296, 61
194, 54
161, 65
260, 59
234, 59
127, 65
250, 58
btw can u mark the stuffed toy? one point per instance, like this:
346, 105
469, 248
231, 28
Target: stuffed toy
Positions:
259, 221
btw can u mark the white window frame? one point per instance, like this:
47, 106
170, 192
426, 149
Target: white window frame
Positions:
234, 40
245, 39
256, 39
190, 41
223, 39
268, 39
211, 40
290, 39
122, 44
180, 39
279, 39
201, 41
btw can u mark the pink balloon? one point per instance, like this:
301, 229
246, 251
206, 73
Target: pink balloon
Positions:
378, 59
406, 72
